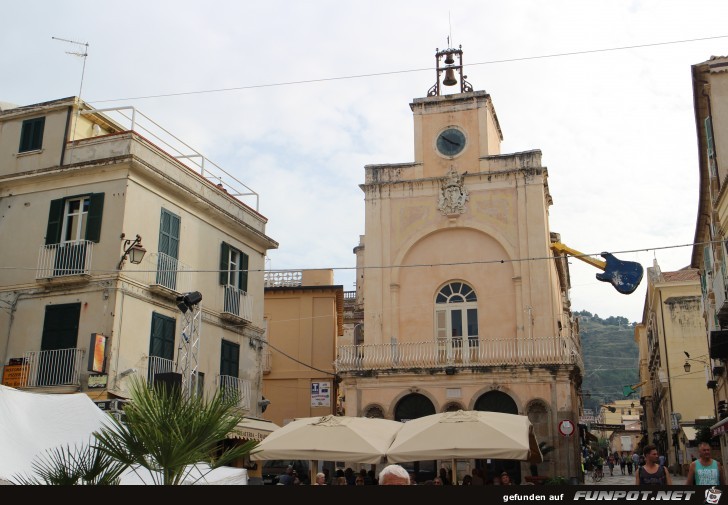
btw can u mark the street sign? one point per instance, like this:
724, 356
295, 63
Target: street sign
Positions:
604, 427
566, 427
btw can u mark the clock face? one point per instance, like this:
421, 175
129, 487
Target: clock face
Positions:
450, 142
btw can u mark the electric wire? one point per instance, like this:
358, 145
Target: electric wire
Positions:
406, 71
413, 265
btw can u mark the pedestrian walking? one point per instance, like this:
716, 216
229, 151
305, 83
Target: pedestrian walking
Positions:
623, 463
705, 471
652, 473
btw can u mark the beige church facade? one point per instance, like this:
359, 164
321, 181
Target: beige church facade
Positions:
465, 306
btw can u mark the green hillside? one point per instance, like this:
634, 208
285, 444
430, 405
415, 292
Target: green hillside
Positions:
611, 358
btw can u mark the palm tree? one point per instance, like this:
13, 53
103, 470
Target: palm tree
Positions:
165, 432
67, 466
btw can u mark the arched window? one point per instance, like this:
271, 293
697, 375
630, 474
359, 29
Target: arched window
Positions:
374, 411
456, 319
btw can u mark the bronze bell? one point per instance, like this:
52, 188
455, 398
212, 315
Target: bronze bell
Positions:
449, 79
449, 60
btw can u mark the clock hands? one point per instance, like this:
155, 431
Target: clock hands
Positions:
450, 141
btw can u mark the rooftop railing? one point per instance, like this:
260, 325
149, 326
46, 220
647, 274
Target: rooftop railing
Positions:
183, 152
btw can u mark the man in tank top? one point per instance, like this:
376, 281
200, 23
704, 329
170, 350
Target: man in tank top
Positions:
705, 471
652, 473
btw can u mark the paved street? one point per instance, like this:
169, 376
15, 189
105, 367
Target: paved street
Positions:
625, 480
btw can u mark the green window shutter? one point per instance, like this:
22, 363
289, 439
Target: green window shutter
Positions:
169, 229
162, 336
224, 258
709, 136
31, 134
243, 274
164, 231
174, 227
708, 258
95, 213
55, 217
229, 359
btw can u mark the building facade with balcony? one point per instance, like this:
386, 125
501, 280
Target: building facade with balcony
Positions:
304, 316
464, 304
710, 89
76, 185
671, 334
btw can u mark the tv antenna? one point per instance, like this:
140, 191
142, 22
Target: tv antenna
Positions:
81, 52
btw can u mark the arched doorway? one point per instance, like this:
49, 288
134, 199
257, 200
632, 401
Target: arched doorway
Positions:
498, 401
414, 406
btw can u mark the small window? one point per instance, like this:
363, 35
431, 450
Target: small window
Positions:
31, 135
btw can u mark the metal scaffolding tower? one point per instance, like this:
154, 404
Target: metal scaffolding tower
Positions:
189, 350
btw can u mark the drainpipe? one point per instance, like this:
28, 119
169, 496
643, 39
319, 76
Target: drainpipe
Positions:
65, 135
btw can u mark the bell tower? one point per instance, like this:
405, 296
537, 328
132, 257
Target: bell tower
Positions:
453, 130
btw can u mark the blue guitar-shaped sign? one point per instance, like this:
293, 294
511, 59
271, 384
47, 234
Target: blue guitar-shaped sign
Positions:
625, 276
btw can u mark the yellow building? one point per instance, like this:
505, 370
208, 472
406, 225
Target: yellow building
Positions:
710, 88
304, 317
620, 422
81, 187
672, 338
455, 315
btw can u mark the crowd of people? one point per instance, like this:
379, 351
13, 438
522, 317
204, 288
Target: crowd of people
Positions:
648, 468
392, 475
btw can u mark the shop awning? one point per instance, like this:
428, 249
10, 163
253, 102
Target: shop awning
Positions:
253, 429
719, 428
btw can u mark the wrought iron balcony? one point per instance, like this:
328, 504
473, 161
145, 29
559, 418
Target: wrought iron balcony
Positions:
237, 305
157, 365
69, 260
236, 388
163, 274
60, 367
458, 352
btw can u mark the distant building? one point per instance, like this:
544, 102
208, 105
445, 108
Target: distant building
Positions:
672, 336
304, 314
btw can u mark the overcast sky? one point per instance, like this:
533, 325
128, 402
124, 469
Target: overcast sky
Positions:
616, 128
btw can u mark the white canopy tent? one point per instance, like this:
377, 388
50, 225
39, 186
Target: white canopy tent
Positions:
33, 423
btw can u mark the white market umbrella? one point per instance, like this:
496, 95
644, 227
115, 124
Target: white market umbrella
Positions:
330, 438
466, 434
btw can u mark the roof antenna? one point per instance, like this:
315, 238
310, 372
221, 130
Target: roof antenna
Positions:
449, 37
82, 46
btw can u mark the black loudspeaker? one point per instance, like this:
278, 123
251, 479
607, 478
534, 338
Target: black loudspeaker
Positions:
171, 382
719, 344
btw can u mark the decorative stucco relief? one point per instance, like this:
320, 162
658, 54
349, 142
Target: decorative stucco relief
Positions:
453, 194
